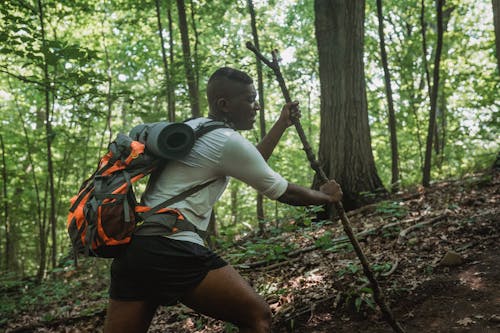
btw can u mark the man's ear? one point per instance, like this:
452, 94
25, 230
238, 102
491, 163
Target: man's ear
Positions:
221, 104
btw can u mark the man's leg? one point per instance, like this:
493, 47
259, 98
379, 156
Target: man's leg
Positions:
225, 295
129, 316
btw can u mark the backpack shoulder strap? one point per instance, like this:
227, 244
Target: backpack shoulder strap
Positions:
176, 198
208, 126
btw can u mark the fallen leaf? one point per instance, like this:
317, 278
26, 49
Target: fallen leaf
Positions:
466, 321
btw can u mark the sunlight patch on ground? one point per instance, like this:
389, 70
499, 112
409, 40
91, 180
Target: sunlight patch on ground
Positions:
472, 279
309, 279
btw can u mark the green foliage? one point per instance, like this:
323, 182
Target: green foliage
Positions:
262, 249
65, 286
105, 75
392, 209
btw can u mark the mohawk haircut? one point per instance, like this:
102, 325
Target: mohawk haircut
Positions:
230, 74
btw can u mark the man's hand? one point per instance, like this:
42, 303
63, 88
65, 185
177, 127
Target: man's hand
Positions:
332, 188
289, 113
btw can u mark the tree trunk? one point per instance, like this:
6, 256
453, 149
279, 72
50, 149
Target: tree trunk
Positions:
262, 118
442, 103
433, 96
49, 136
345, 145
188, 64
170, 116
390, 103
171, 83
234, 204
109, 97
212, 230
5, 201
496, 21
196, 59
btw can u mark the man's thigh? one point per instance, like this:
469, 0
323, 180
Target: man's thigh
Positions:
225, 295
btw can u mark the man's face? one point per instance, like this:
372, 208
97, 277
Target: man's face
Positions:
241, 107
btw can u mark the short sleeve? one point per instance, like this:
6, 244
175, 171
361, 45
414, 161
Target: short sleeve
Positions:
241, 160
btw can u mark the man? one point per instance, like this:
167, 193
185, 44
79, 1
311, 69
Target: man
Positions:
171, 268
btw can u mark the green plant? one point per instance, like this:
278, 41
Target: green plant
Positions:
364, 297
391, 208
351, 268
325, 241
382, 267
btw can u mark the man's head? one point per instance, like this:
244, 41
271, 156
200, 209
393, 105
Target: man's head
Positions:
232, 97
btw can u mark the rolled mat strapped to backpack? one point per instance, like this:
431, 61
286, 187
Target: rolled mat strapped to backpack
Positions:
166, 140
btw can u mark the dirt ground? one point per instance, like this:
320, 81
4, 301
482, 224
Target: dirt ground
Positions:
435, 251
461, 299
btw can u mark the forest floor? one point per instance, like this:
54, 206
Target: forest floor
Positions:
435, 251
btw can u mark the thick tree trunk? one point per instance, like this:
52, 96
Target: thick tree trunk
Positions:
433, 96
496, 21
188, 64
171, 83
390, 102
262, 118
345, 150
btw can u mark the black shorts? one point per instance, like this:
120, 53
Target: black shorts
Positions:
160, 269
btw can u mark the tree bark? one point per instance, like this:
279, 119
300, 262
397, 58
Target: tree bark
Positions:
188, 64
345, 145
433, 96
196, 35
49, 136
262, 118
5, 201
171, 83
496, 21
170, 116
390, 102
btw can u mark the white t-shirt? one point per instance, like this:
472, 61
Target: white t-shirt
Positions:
219, 154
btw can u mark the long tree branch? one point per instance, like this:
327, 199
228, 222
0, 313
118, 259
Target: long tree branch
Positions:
377, 293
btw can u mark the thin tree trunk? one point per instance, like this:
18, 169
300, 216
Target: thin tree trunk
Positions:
234, 204
5, 201
109, 98
29, 149
434, 96
188, 64
441, 104
171, 83
196, 62
390, 102
496, 21
171, 117
49, 137
262, 118
212, 230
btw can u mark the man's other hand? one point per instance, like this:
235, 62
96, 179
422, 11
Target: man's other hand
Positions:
332, 188
289, 113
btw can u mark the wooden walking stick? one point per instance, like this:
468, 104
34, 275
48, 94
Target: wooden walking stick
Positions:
378, 296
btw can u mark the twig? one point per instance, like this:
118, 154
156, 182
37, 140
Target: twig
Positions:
377, 293
392, 270
406, 231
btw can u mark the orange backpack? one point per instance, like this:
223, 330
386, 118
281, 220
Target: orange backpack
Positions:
105, 212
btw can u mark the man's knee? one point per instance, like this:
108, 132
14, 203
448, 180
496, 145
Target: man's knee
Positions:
261, 318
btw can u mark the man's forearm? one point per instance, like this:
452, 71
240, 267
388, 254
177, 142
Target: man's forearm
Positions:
297, 195
268, 143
